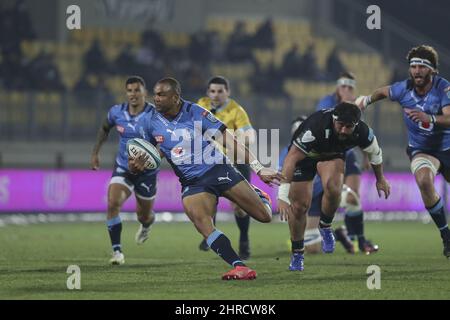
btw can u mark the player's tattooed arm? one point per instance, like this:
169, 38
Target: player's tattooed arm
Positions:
102, 135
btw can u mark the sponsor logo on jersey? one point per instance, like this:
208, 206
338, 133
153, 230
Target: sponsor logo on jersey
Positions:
159, 139
209, 116
308, 137
120, 129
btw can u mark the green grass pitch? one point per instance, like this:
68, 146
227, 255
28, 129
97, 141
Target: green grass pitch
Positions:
34, 260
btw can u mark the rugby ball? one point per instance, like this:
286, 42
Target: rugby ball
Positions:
137, 145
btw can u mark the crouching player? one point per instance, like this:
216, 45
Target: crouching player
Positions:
319, 146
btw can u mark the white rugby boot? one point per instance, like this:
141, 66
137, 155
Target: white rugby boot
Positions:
142, 234
117, 258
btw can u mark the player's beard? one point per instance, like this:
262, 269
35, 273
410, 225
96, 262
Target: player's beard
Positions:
343, 137
425, 80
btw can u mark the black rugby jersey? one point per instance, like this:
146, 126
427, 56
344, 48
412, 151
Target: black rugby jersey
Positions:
317, 138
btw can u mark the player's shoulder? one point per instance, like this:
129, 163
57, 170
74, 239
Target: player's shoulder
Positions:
204, 102
403, 85
236, 107
442, 84
326, 102
117, 107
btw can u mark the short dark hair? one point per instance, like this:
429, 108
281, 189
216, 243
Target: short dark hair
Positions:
347, 113
347, 75
424, 52
173, 83
219, 80
135, 79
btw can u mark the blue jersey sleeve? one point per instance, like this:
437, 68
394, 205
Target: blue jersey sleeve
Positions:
445, 94
327, 102
112, 114
397, 90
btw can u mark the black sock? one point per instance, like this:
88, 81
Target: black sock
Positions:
438, 215
325, 221
221, 245
354, 222
243, 224
298, 246
115, 229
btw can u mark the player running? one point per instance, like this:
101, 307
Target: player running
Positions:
319, 147
184, 131
125, 117
354, 216
425, 100
233, 115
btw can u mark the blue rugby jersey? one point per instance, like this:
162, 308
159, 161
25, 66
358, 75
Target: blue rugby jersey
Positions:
128, 127
424, 136
182, 140
327, 102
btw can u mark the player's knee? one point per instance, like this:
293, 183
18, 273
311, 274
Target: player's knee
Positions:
239, 212
300, 207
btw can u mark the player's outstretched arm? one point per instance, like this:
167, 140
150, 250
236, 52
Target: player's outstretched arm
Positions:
364, 101
243, 155
375, 155
102, 135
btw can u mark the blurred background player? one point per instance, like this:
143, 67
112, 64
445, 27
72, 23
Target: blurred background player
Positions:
125, 118
204, 173
425, 99
319, 147
233, 115
354, 216
312, 234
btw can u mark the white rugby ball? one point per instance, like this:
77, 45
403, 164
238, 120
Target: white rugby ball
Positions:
137, 145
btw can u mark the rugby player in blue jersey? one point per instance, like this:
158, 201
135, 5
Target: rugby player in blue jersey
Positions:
125, 117
184, 132
425, 100
354, 216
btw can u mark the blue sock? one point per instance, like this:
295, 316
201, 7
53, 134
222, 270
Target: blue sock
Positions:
221, 245
438, 215
115, 229
243, 224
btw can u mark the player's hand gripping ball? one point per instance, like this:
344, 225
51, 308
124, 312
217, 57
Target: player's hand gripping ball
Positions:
138, 146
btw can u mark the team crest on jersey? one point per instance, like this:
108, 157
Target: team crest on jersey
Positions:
120, 129
177, 152
209, 116
159, 139
308, 137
